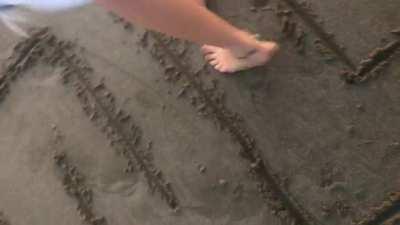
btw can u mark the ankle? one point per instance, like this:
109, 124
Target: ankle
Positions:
243, 40
244, 43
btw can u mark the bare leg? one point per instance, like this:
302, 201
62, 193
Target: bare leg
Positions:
199, 2
237, 50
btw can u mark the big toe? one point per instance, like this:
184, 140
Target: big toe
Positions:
219, 67
271, 48
223, 68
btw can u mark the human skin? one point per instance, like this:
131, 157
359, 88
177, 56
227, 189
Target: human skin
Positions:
226, 47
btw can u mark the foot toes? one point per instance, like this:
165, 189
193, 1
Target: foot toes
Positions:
226, 61
214, 62
218, 67
206, 49
209, 57
223, 70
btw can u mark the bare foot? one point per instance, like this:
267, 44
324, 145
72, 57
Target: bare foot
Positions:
230, 60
